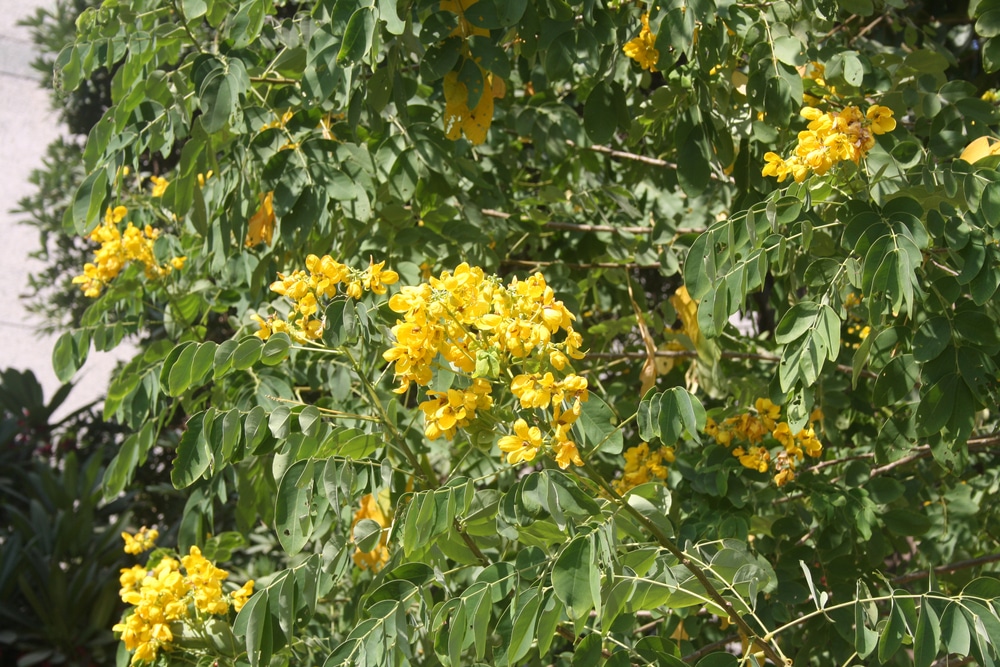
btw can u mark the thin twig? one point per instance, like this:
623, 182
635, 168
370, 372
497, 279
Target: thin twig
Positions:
946, 569
574, 227
277, 80
692, 658
924, 451
589, 265
606, 150
570, 226
728, 355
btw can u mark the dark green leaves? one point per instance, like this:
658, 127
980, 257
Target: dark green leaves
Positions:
358, 36
89, 201
576, 579
194, 454
670, 416
222, 84
810, 333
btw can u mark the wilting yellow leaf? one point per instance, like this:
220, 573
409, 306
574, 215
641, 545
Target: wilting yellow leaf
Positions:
980, 148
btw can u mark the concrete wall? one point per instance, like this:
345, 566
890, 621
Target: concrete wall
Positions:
27, 126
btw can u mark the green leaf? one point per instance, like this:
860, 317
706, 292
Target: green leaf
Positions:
927, 638
796, 322
599, 115
955, 630
275, 349
280, 422
865, 639
254, 622
359, 36
576, 579
983, 587
310, 420
194, 454
718, 660
892, 634
367, 534
648, 416
219, 93
223, 361
931, 339
247, 353
179, 377
255, 427
988, 24
588, 651
936, 405
859, 7
522, 634
69, 354
598, 424
680, 415
293, 508
789, 50
470, 74
89, 200
844, 68
194, 9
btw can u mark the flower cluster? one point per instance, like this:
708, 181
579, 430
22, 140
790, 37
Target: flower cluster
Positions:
749, 431
643, 465
486, 331
171, 592
830, 138
144, 540
117, 250
375, 559
306, 290
642, 49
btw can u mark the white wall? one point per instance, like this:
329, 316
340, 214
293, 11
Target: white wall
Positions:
27, 125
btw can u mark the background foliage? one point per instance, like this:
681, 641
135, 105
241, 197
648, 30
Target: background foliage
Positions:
518, 136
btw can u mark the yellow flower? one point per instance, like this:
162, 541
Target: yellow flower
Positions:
642, 49
242, 595
768, 411
784, 477
881, 119
643, 465
758, 458
830, 138
523, 445
159, 185
567, 453
143, 540
261, 228
534, 390
375, 279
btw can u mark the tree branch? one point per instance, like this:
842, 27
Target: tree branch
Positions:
946, 569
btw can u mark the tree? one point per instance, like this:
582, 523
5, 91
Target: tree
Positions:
544, 332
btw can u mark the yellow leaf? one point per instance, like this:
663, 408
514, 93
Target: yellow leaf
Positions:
980, 148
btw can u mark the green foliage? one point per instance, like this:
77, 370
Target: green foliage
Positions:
825, 407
